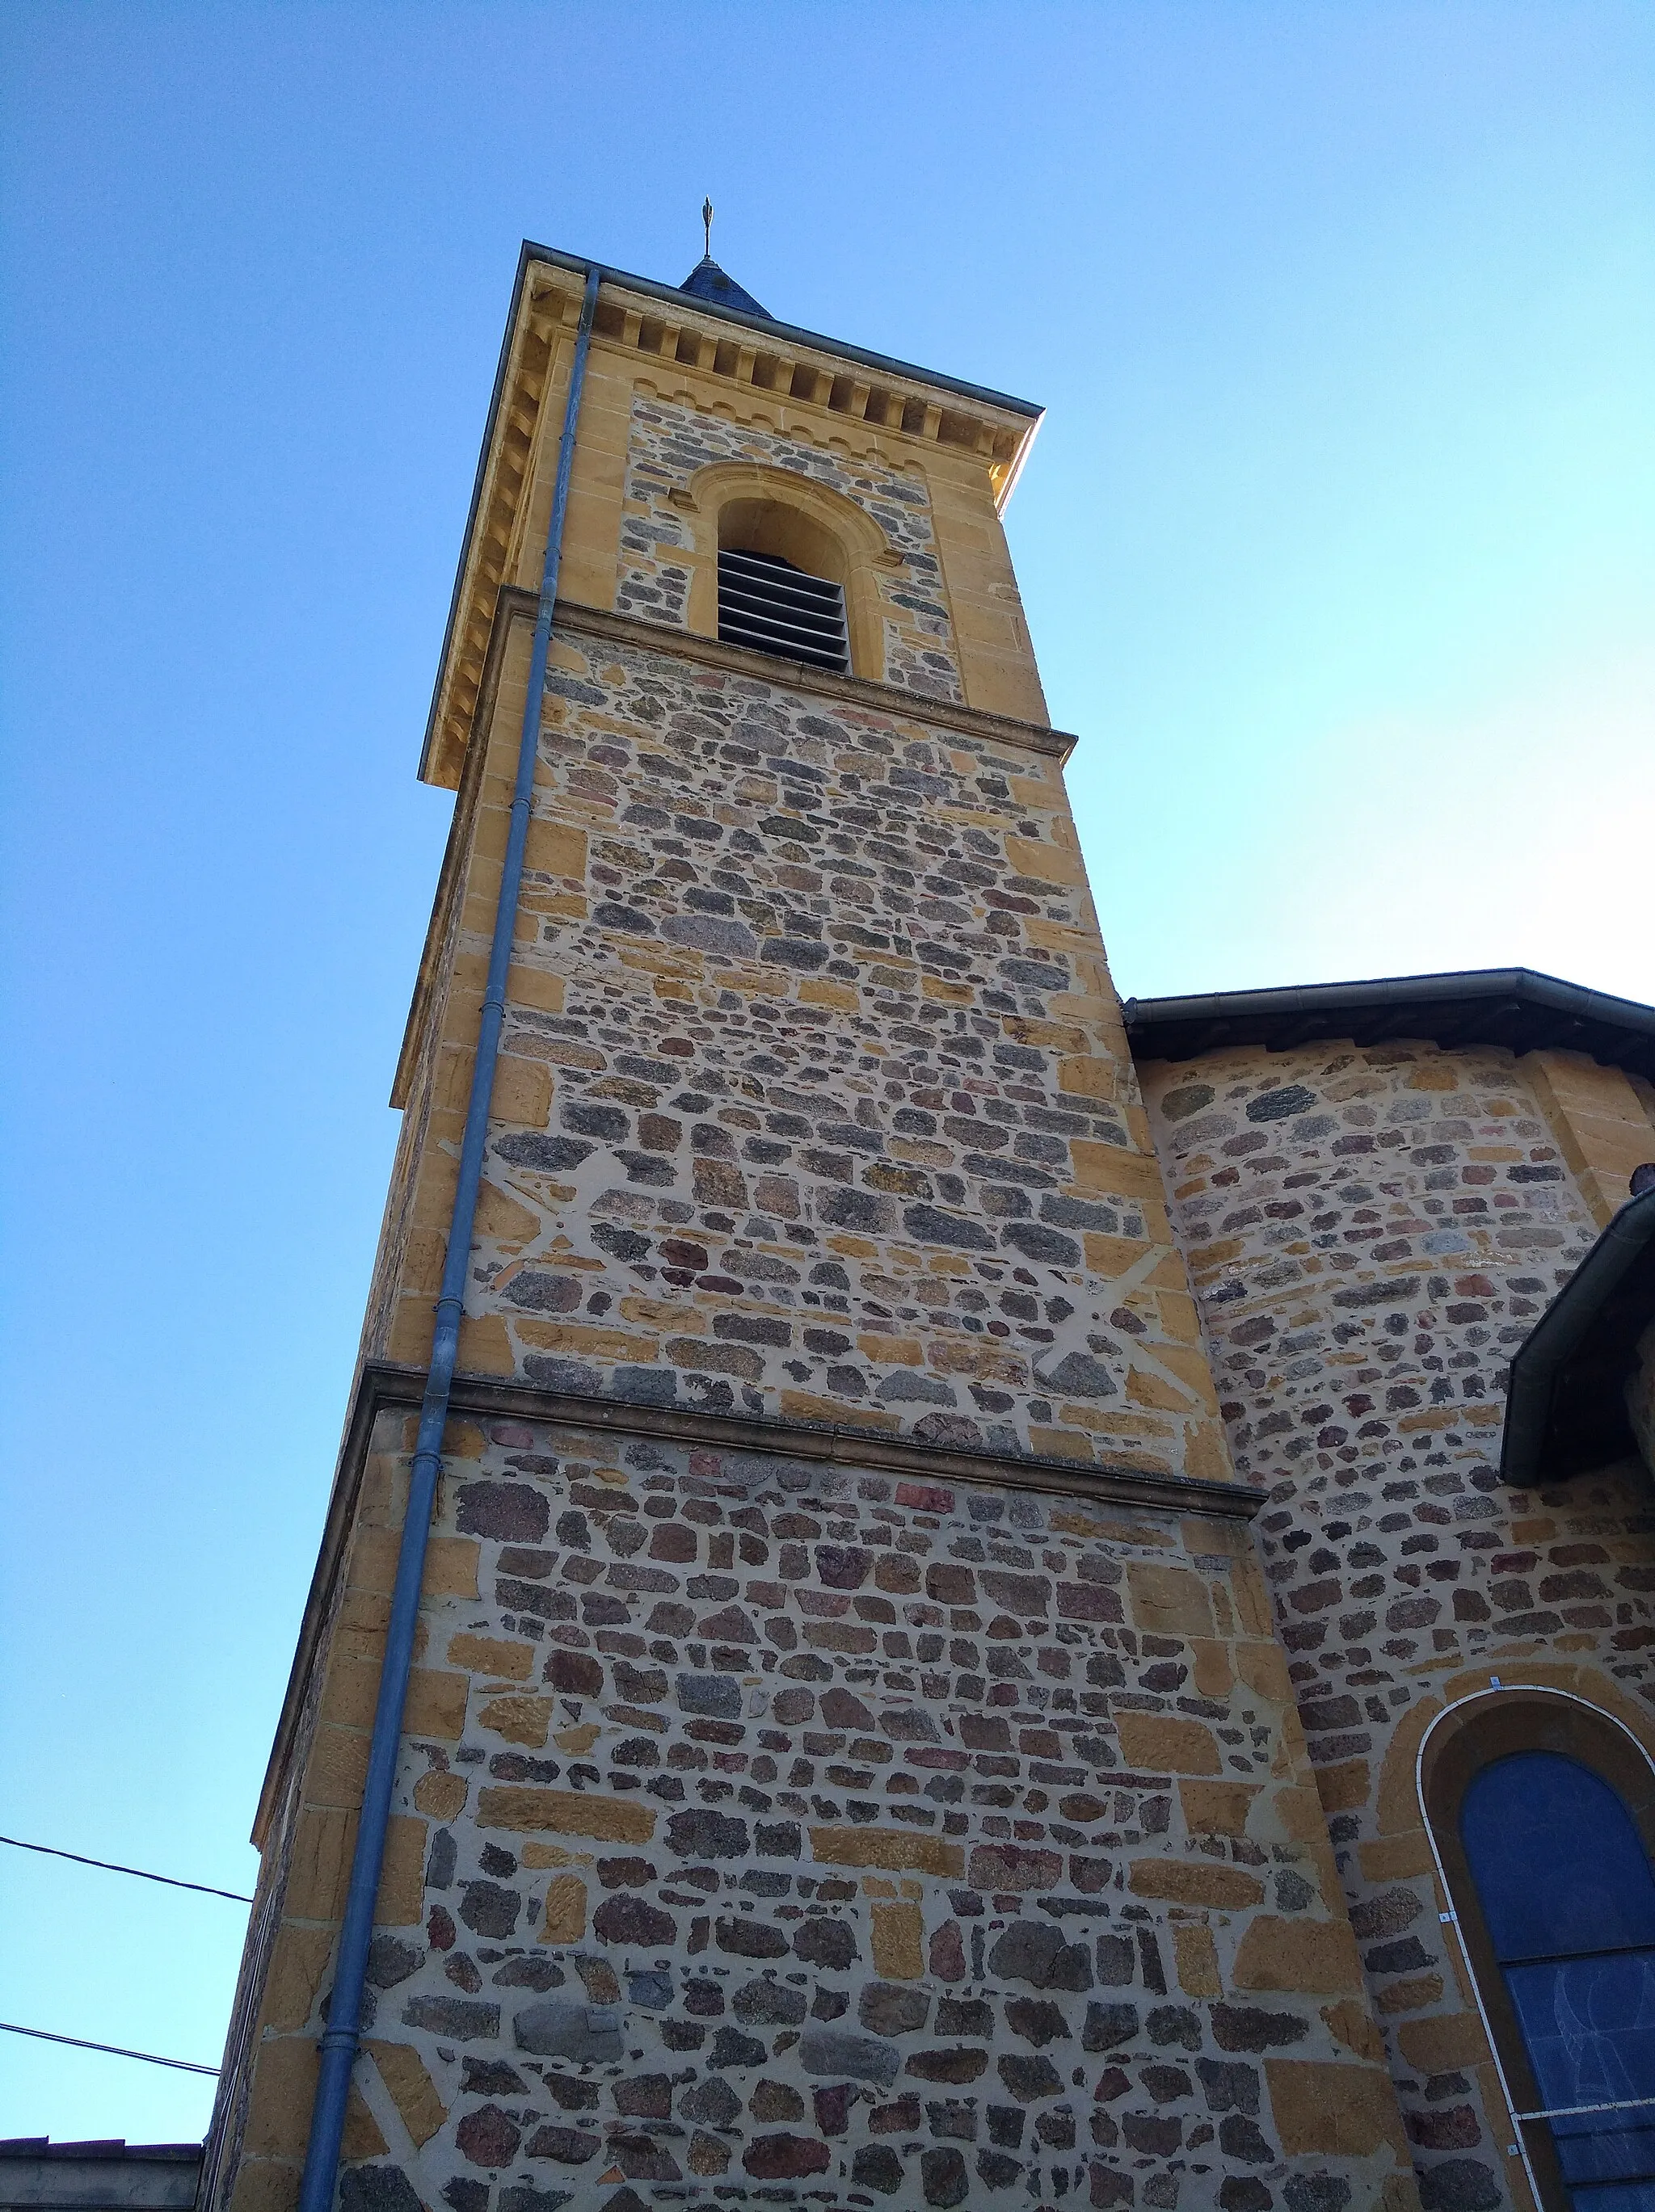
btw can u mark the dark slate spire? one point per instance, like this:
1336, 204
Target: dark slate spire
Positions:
707, 281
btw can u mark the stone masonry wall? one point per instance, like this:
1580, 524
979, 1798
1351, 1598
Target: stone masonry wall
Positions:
1372, 1234
822, 1107
770, 1834
668, 442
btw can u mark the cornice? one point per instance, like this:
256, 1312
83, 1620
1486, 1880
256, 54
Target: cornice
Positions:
686, 306
384, 1385
890, 702
839, 1445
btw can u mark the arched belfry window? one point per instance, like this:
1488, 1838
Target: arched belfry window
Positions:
778, 589
785, 565
1548, 1868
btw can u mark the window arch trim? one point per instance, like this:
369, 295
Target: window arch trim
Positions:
865, 551
1466, 1737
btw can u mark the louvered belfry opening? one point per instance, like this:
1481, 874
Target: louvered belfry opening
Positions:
768, 604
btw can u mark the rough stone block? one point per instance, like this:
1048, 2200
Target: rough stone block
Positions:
299, 1961
1343, 1786
1333, 2110
1217, 1808
887, 2009
319, 1865
556, 848
834, 2053
1352, 2025
1443, 2042
1159, 1742
263, 2184
897, 1940
893, 1849
1197, 1958
436, 1704
1317, 1957
401, 1901
1194, 1882
484, 1347
518, 1719
568, 2027
412, 2090
564, 1917
566, 1812
464, 2020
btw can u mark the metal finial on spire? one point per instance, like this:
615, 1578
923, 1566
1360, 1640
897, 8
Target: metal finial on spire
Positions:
707, 224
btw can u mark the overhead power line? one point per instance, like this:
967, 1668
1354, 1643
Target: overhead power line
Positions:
115, 2050
109, 1866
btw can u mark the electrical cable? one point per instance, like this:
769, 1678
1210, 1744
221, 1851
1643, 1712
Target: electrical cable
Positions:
115, 2050
109, 1866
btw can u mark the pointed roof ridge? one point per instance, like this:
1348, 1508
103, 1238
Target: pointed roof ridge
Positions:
707, 281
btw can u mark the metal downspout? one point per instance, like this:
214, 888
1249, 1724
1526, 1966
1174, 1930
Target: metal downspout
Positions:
342, 2033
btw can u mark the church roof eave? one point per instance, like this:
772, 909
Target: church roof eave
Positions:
1516, 1007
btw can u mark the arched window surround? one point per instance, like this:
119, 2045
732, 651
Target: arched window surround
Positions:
819, 528
1469, 1736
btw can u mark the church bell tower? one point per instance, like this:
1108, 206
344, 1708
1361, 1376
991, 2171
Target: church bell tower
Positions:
788, 1709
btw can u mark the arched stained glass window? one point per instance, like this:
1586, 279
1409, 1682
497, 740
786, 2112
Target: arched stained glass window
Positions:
1568, 1900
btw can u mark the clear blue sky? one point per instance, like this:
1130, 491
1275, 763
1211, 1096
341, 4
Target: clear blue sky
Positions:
1336, 545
